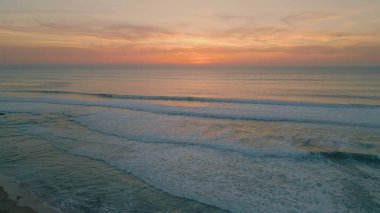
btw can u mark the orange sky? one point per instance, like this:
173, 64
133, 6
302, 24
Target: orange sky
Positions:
254, 32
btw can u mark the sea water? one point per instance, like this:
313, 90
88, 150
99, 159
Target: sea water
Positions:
193, 139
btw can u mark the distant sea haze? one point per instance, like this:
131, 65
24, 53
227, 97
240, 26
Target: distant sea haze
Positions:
201, 139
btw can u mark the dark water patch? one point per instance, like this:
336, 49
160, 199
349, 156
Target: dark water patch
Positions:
365, 158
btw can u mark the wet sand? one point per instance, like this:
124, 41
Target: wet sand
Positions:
26, 203
7, 205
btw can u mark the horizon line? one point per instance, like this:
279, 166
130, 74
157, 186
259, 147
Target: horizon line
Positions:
186, 65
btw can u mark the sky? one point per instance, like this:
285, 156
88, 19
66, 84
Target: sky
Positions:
243, 32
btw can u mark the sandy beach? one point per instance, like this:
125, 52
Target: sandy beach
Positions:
26, 203
7, 205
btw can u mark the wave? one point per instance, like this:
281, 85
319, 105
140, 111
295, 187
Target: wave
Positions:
257, 153
280, 114
206, 99
217, 176
163, 173
222, 148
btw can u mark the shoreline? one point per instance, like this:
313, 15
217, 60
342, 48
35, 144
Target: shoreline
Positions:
9, 205
28, 203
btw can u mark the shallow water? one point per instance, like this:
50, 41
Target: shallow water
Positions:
116, 139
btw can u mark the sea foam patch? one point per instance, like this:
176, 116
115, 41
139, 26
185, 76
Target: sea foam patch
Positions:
201, 158
225, 179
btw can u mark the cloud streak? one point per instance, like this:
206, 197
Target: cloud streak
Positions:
226, 37
300, 17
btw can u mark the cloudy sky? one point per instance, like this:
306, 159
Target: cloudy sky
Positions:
254, 32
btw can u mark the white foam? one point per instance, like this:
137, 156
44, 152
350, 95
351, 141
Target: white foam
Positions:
221, 170
228, 180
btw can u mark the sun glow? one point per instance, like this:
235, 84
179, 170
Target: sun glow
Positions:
190, 34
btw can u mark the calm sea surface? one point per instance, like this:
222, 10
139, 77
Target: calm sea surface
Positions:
124, 139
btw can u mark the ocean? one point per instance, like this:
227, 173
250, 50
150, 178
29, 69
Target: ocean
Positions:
193, 139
